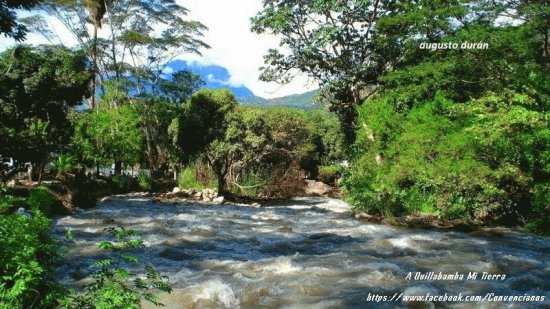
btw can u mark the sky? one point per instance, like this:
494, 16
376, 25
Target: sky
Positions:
233, 45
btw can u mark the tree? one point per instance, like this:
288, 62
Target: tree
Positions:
180, 86
108, 135
202, 125
37, 90
133, 50
347, 45
8, 20
156, 115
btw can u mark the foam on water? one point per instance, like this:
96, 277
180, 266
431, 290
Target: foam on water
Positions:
281, 265
301, 253
216, 290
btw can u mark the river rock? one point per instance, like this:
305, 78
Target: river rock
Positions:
198, 195
317, 188
176, 190
219, 200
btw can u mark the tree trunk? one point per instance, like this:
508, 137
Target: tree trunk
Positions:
118, 167
94, 56
221, 184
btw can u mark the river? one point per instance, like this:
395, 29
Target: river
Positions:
306, 253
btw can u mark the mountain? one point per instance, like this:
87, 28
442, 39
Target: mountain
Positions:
218, 77
305, 100
214, 76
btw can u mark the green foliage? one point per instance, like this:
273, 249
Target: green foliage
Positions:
459, 133
474, 161
202, 124
327, 136
122, 184
64, 164
27, 257
268, 146
38, 86
132, 27
323, 39
330, 173
180, 88
111, 287
108, 134
159, 150
144, 181
187, 179
40, 198
203, 120
5, 199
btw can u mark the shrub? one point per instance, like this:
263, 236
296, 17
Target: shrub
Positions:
330, 173
144, 180
187, 179
40, 198
123, 184
27, 258
250, 185
64, 164
483, 160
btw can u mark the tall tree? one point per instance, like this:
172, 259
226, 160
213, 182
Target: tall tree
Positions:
96, 10
346, 45
138, 38
201, 129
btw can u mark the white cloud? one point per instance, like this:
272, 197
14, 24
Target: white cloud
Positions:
233, 45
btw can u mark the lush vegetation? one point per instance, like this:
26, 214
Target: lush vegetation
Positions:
454, 133
37, 91
28, 254
462, 133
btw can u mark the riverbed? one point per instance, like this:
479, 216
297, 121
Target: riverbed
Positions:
306, 253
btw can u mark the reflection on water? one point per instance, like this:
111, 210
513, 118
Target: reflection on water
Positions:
306, 253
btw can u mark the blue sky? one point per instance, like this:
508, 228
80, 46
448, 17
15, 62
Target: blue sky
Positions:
234, 46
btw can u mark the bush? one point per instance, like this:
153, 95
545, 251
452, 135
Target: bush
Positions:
330, 173
144, 180
40, 198
27, 257
123, 184
64, 164
187, 179
482, 161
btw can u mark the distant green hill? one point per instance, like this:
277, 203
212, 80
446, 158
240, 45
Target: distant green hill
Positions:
304, 100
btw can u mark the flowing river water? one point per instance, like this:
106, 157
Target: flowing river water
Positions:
305, 253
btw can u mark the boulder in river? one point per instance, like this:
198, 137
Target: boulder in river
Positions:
317, 188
